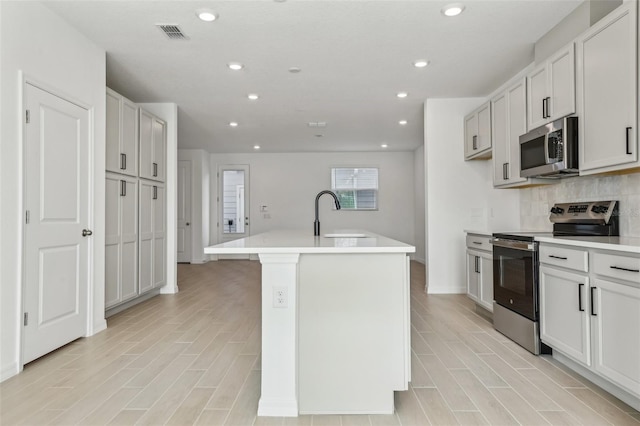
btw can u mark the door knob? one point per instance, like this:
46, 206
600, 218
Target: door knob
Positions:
86, 232
187, 224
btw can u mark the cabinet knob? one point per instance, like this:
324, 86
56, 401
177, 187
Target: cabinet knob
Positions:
186, 224
87, 232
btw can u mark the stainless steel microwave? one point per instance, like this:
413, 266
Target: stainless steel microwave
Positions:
550, 151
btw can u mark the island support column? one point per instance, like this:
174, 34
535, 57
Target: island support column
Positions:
279, 387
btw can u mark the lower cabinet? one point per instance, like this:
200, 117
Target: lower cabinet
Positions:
152, 254
121, 239
480, 271
564, 323
592, 316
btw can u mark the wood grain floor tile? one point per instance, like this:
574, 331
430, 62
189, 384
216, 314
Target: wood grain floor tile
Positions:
191, 408
212, 417
451, 391
435, 407
471, 418
227, 392
409, 410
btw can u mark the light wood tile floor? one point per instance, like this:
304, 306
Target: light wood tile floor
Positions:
194, 358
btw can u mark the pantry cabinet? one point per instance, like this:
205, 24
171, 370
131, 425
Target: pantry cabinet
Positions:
508, 122
588, 299
477, 133
551, 89
121, 134
121, 239
152, 252
607, 73
153, 145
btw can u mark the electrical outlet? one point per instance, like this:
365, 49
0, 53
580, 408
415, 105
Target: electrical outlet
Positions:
280, 297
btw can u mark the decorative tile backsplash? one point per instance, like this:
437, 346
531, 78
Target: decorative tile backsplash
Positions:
536, 202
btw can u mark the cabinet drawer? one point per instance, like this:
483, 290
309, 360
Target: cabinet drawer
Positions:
565, 257
617, 266
479, 242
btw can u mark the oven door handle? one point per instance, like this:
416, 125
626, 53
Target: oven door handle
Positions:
516, 245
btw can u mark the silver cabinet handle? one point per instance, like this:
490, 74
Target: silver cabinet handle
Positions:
123, 161
86, 232
155, 192
475, 142
155, 169
123, 188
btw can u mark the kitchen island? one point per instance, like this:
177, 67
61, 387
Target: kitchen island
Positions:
335, 321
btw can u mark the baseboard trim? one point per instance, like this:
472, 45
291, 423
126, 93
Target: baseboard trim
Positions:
9, 371
278, 407
130, 303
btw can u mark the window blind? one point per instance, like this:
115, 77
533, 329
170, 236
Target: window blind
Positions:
356, 188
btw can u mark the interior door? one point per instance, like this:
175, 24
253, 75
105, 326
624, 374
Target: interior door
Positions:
233, 204
184, 212
56, 234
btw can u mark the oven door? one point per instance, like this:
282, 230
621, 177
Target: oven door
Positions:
515, 276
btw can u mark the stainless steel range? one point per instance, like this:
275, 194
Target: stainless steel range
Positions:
515, 267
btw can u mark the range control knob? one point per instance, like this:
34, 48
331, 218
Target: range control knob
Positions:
557, 210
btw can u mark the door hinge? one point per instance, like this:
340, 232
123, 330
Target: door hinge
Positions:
27, 217
26, 318
27, 116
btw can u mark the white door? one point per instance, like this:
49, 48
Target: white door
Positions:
184, 211
57, 212
233, 204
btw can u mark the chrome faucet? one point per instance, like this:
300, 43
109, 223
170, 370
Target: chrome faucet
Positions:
316, 224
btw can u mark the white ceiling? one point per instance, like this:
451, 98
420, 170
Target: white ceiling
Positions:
354, 55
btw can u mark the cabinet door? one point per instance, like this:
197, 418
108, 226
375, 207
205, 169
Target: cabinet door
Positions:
517, 125
129, 238
486, 281
473, 276
564, 313
484, 128
146, 145
470, 134
129, 141
537, 91
159, 236
615, 333
562, 84
113, 255
145, 257
158, 166
112, 129
607, 93
499, 131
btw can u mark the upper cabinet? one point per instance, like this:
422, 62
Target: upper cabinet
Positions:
477, 133
121, 134
153, 145
508, 122
551, 89
607, 94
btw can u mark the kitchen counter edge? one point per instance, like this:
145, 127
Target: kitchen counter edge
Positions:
621, 244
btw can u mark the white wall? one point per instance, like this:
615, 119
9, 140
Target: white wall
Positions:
288, 183
169, 113
419, 204
200, 199
46, 49
460, 195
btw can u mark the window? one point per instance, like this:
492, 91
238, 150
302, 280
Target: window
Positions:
356, 188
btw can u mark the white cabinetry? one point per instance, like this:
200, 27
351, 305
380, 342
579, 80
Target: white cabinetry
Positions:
121, 134
477, 133
152, 256
589, 312
607, 73
153, 142
121, 239
508, 122
551, 89
480, 270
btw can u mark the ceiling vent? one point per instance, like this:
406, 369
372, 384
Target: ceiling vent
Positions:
172, 31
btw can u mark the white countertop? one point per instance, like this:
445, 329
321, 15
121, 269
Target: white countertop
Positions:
624, 244
303, 241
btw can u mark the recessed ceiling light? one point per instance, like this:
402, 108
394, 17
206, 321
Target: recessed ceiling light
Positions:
384, 145
256, 147
252, 96
233, 124
206, 15
420, 63
402, 122
236, 66
454, 9
402, 94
